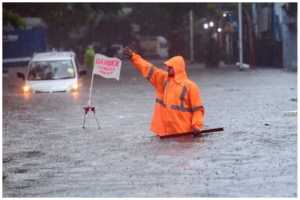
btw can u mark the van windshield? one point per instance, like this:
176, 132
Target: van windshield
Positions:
51, 70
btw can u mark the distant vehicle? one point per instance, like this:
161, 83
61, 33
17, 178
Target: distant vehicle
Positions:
115, 50
19, 44
51, 72
154, 46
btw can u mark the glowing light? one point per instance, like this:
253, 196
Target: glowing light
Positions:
211, 24
26, 88
224, 14
75, 86
219, 30
205, 26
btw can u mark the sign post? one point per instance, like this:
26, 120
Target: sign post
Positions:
91, 89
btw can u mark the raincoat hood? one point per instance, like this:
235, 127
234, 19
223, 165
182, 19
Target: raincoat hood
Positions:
178, 64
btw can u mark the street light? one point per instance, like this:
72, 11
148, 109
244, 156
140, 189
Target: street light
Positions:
219, 30
205, 26
211, 24
224, 14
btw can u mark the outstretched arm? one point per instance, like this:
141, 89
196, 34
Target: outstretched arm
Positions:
153, 74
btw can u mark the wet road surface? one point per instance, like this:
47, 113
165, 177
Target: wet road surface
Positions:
46, 153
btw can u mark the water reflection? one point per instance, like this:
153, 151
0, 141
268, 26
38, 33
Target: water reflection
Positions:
184, 139
186, 146
75, 95
27, 96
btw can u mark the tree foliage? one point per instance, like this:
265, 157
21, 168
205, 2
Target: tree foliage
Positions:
13, 19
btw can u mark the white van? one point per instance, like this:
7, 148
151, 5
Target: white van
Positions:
51, 72
154, 46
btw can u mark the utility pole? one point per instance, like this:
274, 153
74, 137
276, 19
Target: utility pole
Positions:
240, 35
191, 36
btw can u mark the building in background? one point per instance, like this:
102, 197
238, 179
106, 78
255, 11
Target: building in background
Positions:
269, 36
275, 27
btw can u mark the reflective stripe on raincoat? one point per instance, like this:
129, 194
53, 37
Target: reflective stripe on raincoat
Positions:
178, 105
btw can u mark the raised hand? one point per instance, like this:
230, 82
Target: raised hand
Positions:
127, 52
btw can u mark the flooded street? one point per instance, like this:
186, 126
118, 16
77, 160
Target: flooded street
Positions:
46, 153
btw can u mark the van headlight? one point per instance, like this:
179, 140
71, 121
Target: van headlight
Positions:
26, 88
75, 86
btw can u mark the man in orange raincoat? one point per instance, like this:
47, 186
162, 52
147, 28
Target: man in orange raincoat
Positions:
179, 107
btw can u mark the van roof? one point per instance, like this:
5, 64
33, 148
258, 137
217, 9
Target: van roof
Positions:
53, 55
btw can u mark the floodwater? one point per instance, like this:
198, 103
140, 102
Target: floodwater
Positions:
46, 153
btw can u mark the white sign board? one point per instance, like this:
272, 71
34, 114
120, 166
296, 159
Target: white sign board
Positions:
107, 67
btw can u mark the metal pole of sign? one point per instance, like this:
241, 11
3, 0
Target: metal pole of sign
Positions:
240, 35
89, 107
91, 87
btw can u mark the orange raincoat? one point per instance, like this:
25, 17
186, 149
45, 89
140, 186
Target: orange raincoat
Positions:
178, 106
